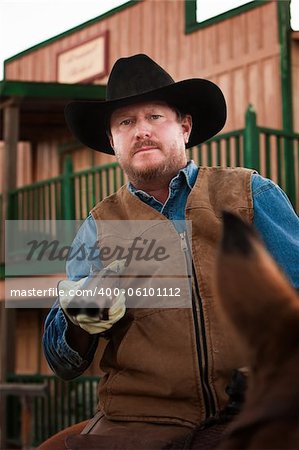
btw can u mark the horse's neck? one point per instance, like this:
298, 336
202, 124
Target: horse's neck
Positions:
273, 393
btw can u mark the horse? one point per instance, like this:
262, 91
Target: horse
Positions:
263, 308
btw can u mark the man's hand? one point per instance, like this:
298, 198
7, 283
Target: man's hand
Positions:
93, 314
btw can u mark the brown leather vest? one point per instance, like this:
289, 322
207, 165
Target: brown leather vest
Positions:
172, 365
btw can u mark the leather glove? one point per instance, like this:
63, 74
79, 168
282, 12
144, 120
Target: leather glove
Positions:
85, 312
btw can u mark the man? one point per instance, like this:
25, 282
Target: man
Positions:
167, 367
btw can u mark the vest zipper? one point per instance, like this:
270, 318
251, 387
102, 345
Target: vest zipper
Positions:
200, 333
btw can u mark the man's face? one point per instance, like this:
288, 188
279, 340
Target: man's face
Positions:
149, 140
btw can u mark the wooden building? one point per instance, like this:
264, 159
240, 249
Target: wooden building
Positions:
250, 52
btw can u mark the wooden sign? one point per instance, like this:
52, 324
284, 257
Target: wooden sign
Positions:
85, 62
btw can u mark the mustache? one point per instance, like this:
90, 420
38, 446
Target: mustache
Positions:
145, 143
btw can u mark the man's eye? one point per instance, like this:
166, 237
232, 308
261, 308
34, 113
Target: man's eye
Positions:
156, 116
126, 122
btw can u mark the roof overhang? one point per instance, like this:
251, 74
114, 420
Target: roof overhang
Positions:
42, 105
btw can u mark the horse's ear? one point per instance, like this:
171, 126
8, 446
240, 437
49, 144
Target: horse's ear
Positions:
255, 294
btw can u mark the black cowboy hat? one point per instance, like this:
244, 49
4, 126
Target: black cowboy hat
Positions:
139, 78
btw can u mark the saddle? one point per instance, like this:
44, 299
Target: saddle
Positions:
103, 434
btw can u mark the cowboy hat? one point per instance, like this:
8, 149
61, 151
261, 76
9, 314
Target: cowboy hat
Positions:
138, 78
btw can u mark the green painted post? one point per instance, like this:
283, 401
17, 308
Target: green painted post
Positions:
251, 140
190, 15
284, 27
68, 191
12, 208
289, 171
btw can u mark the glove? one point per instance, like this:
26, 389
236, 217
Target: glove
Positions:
89, 315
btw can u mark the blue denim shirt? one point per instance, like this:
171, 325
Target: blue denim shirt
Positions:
274, 218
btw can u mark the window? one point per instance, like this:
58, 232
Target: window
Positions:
295, 15
206, 9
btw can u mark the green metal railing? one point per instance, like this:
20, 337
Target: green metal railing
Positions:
68, 196
37, 201
280, 151
92, 185
274, 153
225, 149
66, 403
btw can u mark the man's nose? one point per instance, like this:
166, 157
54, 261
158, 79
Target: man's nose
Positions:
143, 130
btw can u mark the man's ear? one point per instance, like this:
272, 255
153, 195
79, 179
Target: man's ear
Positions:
186, 126
110, 140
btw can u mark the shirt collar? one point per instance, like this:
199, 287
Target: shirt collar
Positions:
187, 174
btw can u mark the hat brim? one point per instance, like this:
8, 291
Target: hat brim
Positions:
201, 98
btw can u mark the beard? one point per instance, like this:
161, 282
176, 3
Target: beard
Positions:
167, 168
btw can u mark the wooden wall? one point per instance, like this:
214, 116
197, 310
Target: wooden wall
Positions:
24, 164
240, 54
28, 339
